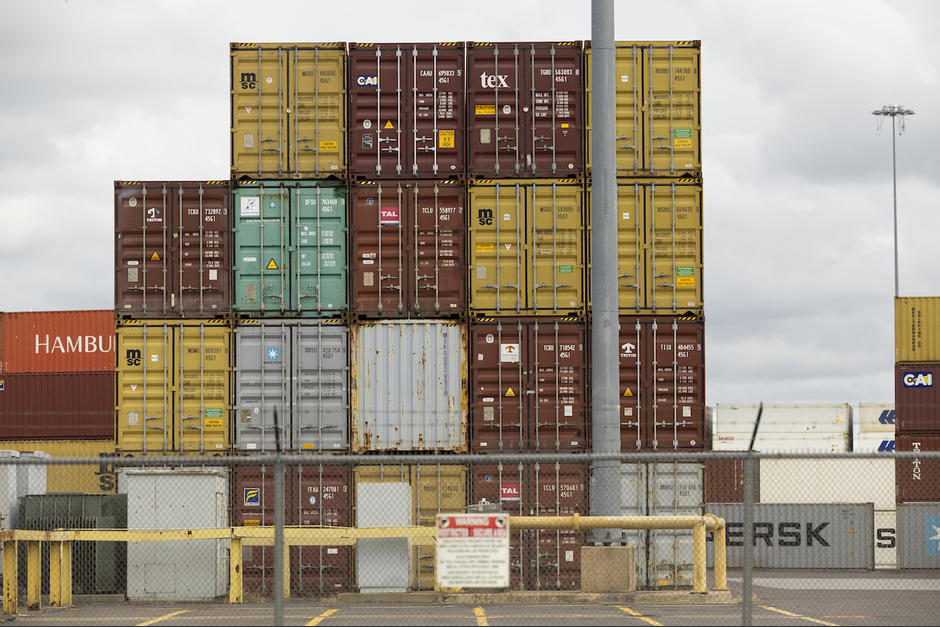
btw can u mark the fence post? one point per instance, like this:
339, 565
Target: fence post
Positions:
747, 606
279, 551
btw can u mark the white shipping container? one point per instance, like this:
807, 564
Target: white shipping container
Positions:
840, 480
409, 386
31, 478
160, 499
876, 417
782, 443
8, 491
784, 418
873, 442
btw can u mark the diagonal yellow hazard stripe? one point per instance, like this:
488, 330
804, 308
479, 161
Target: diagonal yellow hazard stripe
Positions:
640, 616
161, 618
318, 619
786, 613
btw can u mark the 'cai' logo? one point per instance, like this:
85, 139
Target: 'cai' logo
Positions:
363, 81
918, 379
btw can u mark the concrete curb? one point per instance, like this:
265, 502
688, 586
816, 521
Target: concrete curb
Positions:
540, 596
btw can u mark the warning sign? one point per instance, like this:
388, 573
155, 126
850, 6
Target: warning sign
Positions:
388, 124
509, 392
154, 257
627, 392
272, 265
445, 139
481, 109
472, 551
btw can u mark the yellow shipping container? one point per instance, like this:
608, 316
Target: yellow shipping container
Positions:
659, 245
288, 110
527, 247
95, 478
917, 329
658, 112
436, 488
173, 386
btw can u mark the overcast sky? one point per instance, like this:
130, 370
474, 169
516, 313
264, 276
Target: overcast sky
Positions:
799, 271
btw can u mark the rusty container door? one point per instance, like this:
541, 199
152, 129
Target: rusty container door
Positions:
143, 282
524, 104
50, 406
633, 394
498, 376
439, 266
505, 485
917, 398
917, 479
676, 419
554, 556
406, 110
172, 250
57, 341
321, 498
253, 506
378, 262
724, 481
559, 367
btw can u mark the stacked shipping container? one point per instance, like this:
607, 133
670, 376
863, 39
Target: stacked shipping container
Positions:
917, 402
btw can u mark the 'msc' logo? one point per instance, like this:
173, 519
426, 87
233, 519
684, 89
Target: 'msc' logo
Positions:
918, 379
252, 496
363, 81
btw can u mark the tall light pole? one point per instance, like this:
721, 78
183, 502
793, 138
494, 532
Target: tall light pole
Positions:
894, 111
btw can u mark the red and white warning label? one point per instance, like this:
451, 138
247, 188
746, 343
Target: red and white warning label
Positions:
472, 550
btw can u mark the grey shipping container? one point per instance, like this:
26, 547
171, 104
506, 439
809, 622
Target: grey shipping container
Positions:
299, 369
664, 557
801, 535
918, 530
409, 386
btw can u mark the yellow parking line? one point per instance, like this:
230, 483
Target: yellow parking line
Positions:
481, 617
316, 621
786, 613
164, 617
640, 616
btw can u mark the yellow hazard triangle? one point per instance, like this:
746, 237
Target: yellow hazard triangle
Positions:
388, 124
627, 392
155, 257
272, 265
509, 392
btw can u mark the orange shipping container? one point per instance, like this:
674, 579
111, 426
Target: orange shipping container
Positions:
57, 341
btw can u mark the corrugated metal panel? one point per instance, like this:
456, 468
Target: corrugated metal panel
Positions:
917, 479
918, 531
176, 499
172, 254
875, 418
409, 386
57, 341
659, 245
828, 481
538, 559
90, 478
173, 386
886, 539
782, 443
917, 397
724, 481
525, 109
409, 253
873, 442
658, 110
784, 418
528, 385
801, 535
917, 329
288, 110
68, 405
290, 248
406, 110
300, 370
526, 247
662, 383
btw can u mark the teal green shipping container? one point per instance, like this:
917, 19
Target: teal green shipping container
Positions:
290, 248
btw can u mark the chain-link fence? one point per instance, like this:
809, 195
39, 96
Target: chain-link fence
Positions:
242, 529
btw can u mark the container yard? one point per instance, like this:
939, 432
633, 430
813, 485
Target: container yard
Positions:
400, 263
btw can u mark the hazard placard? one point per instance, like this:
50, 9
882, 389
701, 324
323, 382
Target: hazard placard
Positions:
388, 124
272, 265
509, 392
154, 257
472, 551
628, 392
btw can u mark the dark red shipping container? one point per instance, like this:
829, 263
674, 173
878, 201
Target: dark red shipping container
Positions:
172, 249
528, 385
917, 479
662, 383
315, 495
62, 406
917, 398
406, 110
538, 559
57, 341
525, 110
408, 254
724, 481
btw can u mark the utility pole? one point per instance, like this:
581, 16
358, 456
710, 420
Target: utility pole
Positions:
894, 111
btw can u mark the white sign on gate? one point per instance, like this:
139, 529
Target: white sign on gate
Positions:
472, 550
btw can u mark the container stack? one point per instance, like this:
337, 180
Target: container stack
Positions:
917, 396
57, 391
